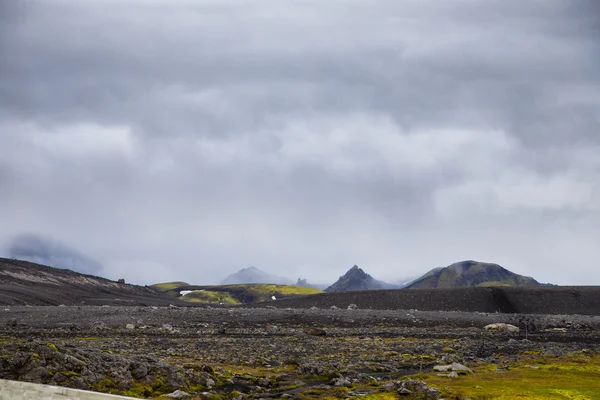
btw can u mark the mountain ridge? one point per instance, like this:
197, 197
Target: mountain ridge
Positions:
28, 283
471, 273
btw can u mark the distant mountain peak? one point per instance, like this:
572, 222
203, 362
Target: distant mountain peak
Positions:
254, 275
471, 273
357, 279
305, 283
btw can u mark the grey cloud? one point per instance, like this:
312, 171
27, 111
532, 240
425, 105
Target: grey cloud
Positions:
49, 252
197, 138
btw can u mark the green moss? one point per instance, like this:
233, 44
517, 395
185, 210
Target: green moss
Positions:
158, 386
70, 374
576, 379
166, 286
52, 346
210, 297
105, 385
140, 390
380, 396
494, 284
243, 294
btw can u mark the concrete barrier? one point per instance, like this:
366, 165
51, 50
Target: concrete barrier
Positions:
14, 390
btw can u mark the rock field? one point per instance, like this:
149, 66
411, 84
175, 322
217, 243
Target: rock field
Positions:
221, 353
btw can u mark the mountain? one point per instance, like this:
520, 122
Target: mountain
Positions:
27, 283
304, 283
470, 274
255, 275
357, 279
407, 280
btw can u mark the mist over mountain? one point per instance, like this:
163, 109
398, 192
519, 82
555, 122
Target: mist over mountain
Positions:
357, 279
304, 283
471, 274
46, 251
255, 275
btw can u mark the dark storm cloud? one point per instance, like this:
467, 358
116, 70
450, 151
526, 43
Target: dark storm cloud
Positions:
190, 139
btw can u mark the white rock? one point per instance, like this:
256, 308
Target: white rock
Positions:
130, 326
556, 330
178, 394
501, 327
452, 367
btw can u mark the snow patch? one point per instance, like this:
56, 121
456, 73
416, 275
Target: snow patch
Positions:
186, 292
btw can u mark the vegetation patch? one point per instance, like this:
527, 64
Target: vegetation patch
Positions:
210, 297
240, 294
560, 379
166, 286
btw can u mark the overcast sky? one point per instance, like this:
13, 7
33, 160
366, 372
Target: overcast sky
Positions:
185, 140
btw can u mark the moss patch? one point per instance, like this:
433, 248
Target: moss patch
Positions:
243, 294
559, 379
166, 286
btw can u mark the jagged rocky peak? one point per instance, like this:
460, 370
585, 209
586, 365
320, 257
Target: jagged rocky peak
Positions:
357, 279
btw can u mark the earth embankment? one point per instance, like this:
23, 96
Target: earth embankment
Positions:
584, 300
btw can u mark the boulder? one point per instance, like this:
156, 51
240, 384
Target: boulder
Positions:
501, 327
414, 387
178, 394
341, 381
315, 332
456, 367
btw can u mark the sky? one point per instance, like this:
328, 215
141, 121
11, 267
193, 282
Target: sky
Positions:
162, 140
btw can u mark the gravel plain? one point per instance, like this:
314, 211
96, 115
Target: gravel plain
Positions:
268, 352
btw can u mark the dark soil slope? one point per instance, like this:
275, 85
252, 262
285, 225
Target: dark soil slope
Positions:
584, 300
23, 282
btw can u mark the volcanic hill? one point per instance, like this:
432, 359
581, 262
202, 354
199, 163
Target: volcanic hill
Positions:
357, 279
471, 274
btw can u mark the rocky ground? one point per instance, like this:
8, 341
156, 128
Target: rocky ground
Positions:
300, 353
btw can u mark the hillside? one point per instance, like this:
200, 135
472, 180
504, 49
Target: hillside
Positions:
27, 283
235, 294
166, 286
357, 279
254, 275
471, 274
